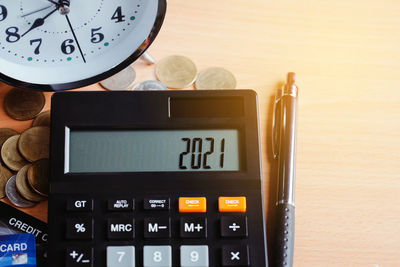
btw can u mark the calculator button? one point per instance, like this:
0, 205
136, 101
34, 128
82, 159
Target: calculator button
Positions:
121, 228
232, 204
157, 228
121, 204
156, 203
234, 226
80, 204
157, 256
123, 256
79, 228
193, 227
235, 255
194, 256
192, 204
79, 257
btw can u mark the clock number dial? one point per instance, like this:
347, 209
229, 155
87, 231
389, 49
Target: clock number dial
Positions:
12, 34
118, 15
97, 37
3, 12
39, 41
67, 47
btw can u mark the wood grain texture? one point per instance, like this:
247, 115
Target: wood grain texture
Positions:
347, 59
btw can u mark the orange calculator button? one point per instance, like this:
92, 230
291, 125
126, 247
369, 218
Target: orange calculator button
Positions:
192, 204
232, 204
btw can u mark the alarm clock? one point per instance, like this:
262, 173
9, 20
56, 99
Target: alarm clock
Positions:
56, 45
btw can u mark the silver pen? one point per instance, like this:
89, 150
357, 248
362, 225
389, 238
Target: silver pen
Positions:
284, 149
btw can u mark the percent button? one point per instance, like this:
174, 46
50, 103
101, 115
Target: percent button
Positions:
79, 228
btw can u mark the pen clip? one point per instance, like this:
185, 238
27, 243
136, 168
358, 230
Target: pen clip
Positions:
275, 121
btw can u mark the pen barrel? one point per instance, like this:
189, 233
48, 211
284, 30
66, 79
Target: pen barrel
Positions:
284, 236
287, 149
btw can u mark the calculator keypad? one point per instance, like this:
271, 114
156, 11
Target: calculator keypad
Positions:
157, 223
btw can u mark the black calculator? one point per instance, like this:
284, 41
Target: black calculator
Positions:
156, 179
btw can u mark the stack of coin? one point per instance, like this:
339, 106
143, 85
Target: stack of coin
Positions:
24, 156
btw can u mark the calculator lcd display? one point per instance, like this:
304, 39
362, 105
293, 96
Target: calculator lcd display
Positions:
152, 151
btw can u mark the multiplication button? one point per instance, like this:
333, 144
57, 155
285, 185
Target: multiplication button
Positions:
121, 256
121, 228
79, 228
235, 255
193, 227
79, 257
156, 203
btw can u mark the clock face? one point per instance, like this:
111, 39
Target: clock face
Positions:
64, 44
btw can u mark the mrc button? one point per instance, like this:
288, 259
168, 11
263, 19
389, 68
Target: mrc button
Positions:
80, 204
121, 228
156, 203
232, 204
192, 204
121, 204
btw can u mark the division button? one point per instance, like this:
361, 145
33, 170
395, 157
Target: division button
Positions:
156, 203
80, 204
79, 228
235, 255
121, 204
157, 256
232, 204
157, 228
122, 256
79, 257
192, 204
121, 228
193, 227
234, 226
194, 256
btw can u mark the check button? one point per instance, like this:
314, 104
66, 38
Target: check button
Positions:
232, 204
192, 204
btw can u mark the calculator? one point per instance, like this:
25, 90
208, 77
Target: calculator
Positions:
156, 179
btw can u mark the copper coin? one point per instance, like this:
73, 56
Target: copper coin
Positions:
34, 143
10, 154
5, 174
23, 186
6, 133
22, 105
43, 119
38, 177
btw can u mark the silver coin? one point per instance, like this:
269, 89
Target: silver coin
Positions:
121, 81
13, 195
149, 85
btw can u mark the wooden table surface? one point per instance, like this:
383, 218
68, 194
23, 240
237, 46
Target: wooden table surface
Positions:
347, 57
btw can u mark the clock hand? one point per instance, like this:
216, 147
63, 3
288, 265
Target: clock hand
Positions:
33, 12
39, 22
76, 40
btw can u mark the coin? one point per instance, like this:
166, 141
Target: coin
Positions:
43, 119
123, 80
23, 186
5, 174
6, 133
22, 104
176, 71
14, 197
149, 85
34, 143
10, 154
215, 78
38, 177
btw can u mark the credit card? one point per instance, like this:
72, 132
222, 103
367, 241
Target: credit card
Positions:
14, 221
17, 250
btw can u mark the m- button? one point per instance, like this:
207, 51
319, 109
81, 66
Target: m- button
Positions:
192, 204
232, 204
